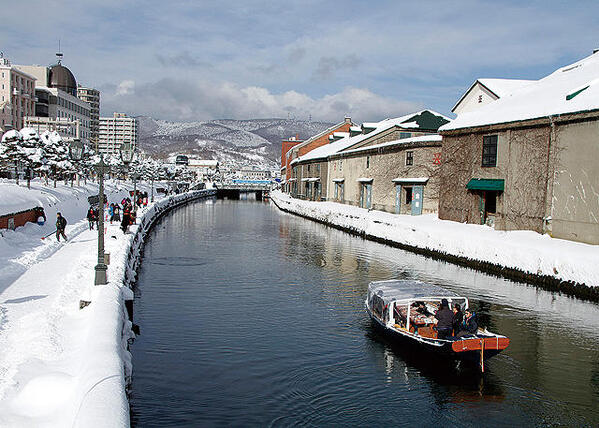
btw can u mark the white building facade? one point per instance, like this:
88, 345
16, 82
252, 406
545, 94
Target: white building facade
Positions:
17, 95
115, 131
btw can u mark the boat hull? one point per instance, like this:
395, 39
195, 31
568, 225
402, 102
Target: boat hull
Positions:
467, 350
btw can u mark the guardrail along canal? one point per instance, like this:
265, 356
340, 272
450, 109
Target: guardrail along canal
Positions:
250, 316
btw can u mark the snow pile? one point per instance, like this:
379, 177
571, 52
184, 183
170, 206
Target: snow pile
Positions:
525, 251
65, 366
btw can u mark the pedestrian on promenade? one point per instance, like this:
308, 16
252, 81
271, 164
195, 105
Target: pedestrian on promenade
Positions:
90, 218
97, 217
111, 212
61, 224
116, 212
126, 218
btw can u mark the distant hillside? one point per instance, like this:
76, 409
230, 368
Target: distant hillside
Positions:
245, 142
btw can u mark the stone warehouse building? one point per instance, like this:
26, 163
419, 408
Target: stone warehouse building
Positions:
359, 168
529, 161
390, 176
293, 151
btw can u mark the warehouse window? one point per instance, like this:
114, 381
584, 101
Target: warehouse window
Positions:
489, 150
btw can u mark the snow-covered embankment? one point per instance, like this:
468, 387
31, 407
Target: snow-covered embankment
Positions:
109, 366
554, 264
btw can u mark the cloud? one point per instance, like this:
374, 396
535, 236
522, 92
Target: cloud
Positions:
173, 99
126, 87
183, 59
329, 65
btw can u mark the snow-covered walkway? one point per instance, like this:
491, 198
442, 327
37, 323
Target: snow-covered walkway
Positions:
50, 350
62, 365
524, 251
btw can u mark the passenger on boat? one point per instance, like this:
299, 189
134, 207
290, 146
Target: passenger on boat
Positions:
400, 315
458, 317
469, 325
444, 318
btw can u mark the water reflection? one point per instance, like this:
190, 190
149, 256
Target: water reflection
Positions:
254, 317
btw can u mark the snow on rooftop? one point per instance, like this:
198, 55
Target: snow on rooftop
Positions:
419, 139
347, 141
504, 87
569, 89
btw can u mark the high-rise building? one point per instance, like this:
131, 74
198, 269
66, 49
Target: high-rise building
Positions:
116, 131
91, 96
17, 95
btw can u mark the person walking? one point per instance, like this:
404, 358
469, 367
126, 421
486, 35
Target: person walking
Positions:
111, 212
61, 224
116, 212
90, 218
126, 218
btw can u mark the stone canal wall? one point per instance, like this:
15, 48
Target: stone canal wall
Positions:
551, 264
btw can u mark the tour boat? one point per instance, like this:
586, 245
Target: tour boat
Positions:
405, 309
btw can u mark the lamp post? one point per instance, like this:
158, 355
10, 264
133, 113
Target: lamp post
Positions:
127, 157
76, 154
101, 266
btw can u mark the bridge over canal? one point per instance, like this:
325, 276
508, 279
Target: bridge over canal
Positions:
233, 188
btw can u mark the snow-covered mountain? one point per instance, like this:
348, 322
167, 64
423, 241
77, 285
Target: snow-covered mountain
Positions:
252, 142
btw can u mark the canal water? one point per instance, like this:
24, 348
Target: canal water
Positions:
253, 317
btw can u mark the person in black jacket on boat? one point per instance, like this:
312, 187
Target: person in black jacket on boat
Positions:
469, 325
458, 318
444, 320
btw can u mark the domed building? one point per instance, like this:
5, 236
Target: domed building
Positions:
58, 108
61, 77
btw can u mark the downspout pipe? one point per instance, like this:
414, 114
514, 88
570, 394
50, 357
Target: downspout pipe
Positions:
548, 210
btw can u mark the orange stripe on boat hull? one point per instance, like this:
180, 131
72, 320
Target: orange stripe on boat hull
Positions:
474, 344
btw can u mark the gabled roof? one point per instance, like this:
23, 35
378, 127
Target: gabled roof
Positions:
570, 89
498, 87
433, 138
315, 137
424, 120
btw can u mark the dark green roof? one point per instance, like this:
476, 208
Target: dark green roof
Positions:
486, 184
427, 120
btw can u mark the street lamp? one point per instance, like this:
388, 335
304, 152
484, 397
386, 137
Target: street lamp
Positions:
101, 266
76, 154
128, 157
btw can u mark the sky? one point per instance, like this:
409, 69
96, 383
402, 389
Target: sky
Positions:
320, 60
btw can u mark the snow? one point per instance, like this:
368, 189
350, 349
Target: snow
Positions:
410, 180
22, 247
542, 98
504, 87
347, 142
61, 365
524, 250
433, 138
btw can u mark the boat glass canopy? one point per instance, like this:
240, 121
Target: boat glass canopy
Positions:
392, 290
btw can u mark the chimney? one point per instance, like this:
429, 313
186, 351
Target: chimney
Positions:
348, 119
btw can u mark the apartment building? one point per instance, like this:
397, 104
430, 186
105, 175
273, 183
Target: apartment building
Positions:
17, 95
115, 131
92, 97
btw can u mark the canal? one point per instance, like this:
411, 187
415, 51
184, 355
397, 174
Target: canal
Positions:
253, 317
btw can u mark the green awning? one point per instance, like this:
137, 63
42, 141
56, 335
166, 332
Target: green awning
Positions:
485, 184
